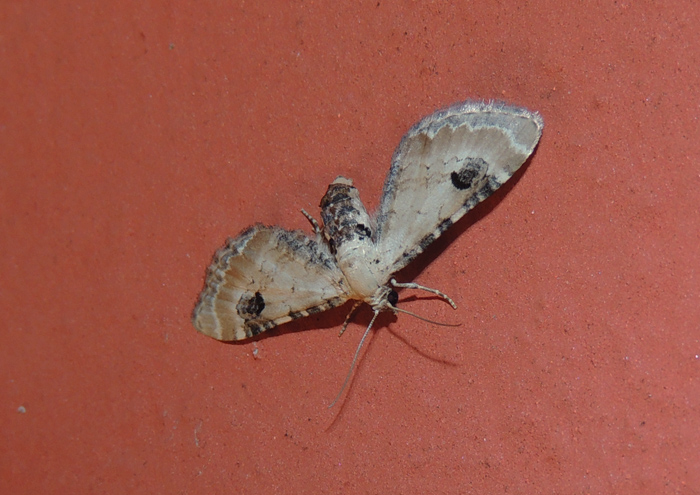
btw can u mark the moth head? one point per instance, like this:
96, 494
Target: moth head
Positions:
384, 298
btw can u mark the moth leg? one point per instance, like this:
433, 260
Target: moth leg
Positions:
347, 318
411, 285
314, 224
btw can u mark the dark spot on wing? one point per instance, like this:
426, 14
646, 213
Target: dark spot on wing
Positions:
250, 305
472, 168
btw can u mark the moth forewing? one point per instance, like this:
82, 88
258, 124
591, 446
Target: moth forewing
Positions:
445, 165
265, 277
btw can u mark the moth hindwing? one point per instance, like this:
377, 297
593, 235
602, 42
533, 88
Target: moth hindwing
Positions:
445, 165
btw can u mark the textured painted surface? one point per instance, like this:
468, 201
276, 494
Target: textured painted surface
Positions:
135, 138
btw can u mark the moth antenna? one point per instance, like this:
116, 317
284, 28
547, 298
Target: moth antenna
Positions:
411, 285
354, 360
394, 308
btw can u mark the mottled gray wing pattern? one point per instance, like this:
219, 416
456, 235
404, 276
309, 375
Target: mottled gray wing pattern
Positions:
265, 277
446, 164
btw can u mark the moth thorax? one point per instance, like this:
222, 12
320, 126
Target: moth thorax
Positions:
348, 228
355, 260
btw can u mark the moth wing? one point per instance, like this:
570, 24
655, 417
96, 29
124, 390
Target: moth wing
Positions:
265, 277
445, 165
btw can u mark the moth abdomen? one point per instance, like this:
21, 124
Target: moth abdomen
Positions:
345, 218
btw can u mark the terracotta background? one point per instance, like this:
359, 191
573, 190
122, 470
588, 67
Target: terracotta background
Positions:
135, 137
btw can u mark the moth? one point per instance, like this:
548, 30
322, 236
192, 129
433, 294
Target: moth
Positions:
445, 165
